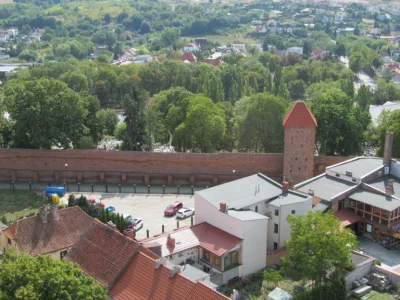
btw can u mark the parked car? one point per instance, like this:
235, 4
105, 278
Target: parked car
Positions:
127, 217
136, 224
185, 212
110, 208
92, 201
99, 204
173, 208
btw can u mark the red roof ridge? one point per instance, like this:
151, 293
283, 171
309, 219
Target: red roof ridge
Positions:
300, 115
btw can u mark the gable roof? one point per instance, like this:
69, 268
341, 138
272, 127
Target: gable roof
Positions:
35, 237
189, 56
243, 192
300, 115
204, 235
103, 253
141, 280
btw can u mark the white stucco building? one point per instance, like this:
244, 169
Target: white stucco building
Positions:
253, 209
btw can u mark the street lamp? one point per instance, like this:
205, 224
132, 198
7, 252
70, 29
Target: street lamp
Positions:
137, 146
66, 175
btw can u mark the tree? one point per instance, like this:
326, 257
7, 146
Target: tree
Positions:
297, 89
26, 277
364, 97
86, 142
317, 246
340, 123
357, 62
258, 123
107, 18
28, 55
265, 45
203, 128
390, 122
169, 36
307, 47
45, 113
356, 30
341, 49
109, 120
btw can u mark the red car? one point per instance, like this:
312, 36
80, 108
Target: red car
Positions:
173, 208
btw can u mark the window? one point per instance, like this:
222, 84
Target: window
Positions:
376, 231
231, 260
368, 208
256, 209
354, 180
275, 246
62, 254
206, 255
276, 228
352, 203
276, 212
293, 212
369, 228
9, 241
217, 261
337, 175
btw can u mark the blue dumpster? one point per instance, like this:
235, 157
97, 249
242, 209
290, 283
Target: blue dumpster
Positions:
60, 191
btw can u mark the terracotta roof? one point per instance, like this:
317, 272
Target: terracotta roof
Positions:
141, 280
189, 56
214, 62
35, 237
11, 230
103, 253
347, 217
204, 235
300, 115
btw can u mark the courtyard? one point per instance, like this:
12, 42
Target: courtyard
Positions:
148, 207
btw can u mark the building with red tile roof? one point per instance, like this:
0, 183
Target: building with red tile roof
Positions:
145, 278
300, 115
51, 232
103, 253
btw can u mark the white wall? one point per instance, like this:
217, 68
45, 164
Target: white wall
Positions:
273, 237
178, 258
301, 208
395, 169
254, 247
253, 233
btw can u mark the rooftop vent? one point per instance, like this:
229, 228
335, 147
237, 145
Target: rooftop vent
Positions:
311, 192
349, 173
174, 270
159, 262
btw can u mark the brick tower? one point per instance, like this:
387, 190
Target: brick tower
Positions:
298, 158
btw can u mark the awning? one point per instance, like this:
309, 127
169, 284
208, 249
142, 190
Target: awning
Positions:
347, 217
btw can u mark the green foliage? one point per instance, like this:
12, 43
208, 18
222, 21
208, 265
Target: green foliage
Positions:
389, 122
45, 113
258, 123
26, 277
317, 246
340, 123
272, 275
333, 290
377, 262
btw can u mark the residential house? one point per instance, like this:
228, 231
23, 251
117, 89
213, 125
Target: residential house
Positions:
4, 36
52, 232
396, 76
214, 62
363, 193
395, 54
240, 47
191, 48
373, 9
208, 248
253, 209
201, 42
384, 17
375, 31
295, 50
316, 54
12, 32
339, 17
261, 28
36, 36
376, 110
259, 47
309, 26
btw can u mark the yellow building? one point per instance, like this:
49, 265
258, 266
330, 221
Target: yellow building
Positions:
52, 232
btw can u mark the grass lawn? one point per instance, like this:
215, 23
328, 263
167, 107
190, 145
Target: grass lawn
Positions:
19, 203
227, 39
374, 295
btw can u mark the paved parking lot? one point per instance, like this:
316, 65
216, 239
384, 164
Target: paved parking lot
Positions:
388, 258
148, 207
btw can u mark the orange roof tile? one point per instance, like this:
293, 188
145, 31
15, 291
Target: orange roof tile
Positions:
300, 115
103, 253
35, 237
11, 230
141, 280
204, 235
189, 56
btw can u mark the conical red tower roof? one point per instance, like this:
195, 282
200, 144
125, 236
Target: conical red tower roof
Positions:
300, 116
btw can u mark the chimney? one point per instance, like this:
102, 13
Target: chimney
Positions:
54, 212
130, 234
170, 241
387, 152
389, 190
112, 225
222, 207
390, 182
285, 187
43, 214
174, 270
160, 262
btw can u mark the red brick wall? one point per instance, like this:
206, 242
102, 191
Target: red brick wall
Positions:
133, 167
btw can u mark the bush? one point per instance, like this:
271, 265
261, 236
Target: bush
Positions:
377, 262
333, 290
271, 275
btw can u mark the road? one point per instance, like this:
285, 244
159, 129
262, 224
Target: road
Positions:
362, 77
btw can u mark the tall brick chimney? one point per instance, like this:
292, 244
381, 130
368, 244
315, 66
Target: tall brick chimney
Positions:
170, 241
285, 186
387, 152
43, 214
129, 233
54, 212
